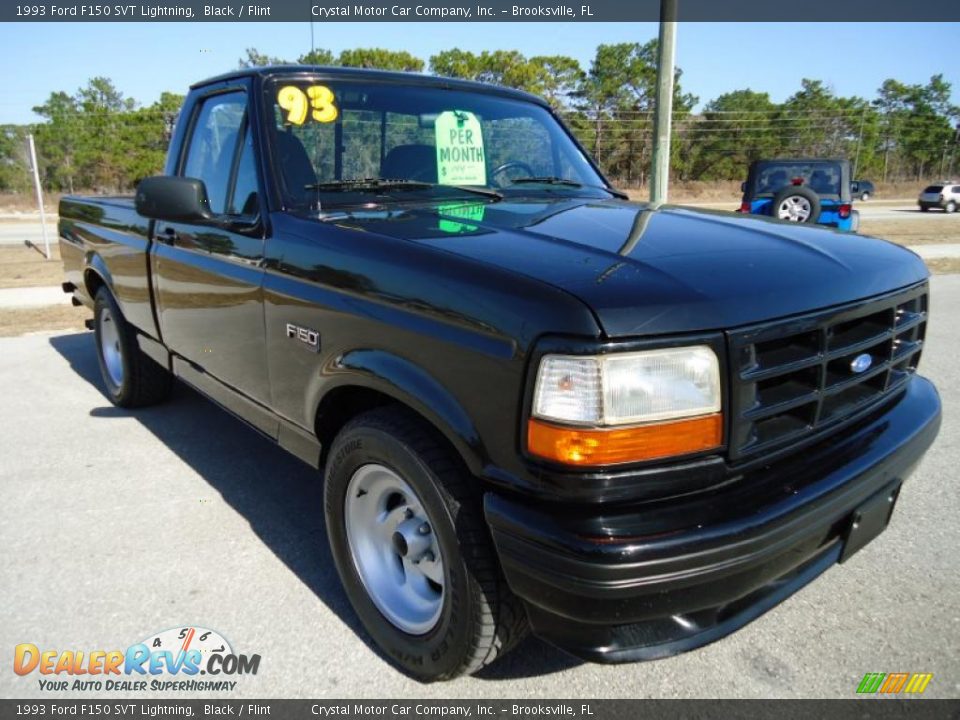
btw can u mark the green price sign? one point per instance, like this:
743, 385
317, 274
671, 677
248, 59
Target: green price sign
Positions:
460, 156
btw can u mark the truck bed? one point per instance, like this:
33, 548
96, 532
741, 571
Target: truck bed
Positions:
107, 233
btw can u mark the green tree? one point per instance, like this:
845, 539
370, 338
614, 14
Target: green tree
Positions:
104, 115
14, 173
814, 122
619, 93
733, 130
57, 140
255, 58
509, 68
317, 56
381, 59
929, 135
916, 129
455, 63
559, 78
144, 138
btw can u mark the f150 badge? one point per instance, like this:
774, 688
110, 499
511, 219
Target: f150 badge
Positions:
310, 338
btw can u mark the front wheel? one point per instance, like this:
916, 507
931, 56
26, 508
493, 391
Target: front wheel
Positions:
865, 196
950, 207
408, 537
131, 378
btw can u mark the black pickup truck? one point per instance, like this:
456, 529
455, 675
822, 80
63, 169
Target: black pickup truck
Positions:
535, 405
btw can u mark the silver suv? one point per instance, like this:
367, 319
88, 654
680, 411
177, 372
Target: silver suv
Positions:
945, 195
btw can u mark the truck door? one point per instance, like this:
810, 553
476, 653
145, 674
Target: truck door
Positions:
208, 278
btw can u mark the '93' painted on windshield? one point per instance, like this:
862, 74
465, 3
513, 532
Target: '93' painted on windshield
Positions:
317, 101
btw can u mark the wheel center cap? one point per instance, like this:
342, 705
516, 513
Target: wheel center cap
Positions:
412, 538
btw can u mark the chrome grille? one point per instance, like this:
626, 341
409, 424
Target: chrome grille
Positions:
794, 378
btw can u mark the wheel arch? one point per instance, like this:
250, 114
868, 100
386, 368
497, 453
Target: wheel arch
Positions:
365, 379
96, 275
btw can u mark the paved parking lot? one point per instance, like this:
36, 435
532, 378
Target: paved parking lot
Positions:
115, 525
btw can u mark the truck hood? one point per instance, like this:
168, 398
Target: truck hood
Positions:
647, 271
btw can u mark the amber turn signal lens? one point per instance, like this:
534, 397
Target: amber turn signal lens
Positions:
611, 446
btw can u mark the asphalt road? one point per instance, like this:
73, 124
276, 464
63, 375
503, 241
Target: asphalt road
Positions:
115, 525
20, 231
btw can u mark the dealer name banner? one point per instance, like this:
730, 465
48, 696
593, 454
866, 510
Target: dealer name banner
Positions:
472, 11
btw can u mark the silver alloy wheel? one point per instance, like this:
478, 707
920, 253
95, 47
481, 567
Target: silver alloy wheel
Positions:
110, 347
951, 207
795, 208
394, 548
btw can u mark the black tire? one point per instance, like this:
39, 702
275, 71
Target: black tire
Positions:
141, 381
797, 190
924, 208
480, 618
950, 207
865, 196
854, 221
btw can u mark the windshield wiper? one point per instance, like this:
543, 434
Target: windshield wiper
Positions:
388, 184
486, 192
367, 184
550, 180
547, 180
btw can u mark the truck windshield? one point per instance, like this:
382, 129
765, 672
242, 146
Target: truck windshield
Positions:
337, 144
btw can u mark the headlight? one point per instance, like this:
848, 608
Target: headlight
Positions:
626, 406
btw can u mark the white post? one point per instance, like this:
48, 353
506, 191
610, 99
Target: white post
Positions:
36, 187
666, 54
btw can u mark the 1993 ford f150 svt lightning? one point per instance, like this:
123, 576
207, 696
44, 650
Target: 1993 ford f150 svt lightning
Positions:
534, 404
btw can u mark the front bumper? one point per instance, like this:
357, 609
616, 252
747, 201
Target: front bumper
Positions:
661, 578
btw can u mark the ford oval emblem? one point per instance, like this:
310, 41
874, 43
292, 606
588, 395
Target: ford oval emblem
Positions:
861, 363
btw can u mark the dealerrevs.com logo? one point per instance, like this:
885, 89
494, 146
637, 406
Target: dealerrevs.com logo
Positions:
180, 659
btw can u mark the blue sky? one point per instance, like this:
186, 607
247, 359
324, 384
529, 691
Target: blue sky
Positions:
146, 58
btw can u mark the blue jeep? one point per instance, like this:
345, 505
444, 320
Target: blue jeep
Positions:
801, 190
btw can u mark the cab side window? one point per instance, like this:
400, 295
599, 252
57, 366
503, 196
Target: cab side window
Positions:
213, 146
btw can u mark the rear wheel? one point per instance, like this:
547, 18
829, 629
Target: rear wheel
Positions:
408, 537
924, 208
864, 196
855, 221
131, 378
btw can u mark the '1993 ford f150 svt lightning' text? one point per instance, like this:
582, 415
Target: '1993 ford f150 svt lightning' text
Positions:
535, 404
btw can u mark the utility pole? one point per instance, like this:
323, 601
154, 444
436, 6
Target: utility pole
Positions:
666, 58
36, 186
856, 160
953, 151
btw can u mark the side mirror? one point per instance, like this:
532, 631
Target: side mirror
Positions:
743, 187
854, 187
175, 199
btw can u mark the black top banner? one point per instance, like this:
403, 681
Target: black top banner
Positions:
825, 11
